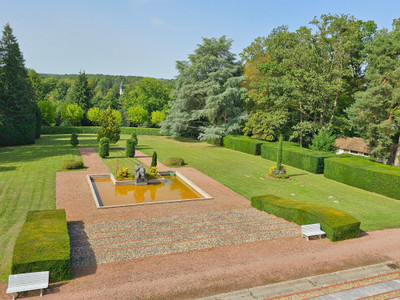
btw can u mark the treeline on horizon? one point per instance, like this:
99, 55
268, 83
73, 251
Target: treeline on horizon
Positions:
337, 76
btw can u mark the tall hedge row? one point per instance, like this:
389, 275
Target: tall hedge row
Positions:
337, 224
43, 245
243, 144
293, 155
364, 174
95, 129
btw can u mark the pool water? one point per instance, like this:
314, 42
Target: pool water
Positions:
172, 189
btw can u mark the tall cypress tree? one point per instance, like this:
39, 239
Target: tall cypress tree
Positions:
81, 93
17, 106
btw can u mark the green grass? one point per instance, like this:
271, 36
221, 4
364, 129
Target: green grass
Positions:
27, 181
245, 174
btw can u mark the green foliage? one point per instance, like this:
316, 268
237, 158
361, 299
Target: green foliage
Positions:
38, 122
174, 161
80, 92
243, 143
364, 174
208, 100
104, 147
303, 79
292, 155
95, 129
279, 153
109, 126
72, 164
373, 115
47, 112
337, 224
74, 139
43, 245
94, 115
134, 138
17, 101
137, 114
130, 148
324, 141
151, 94
154, 159
72, 113
157, 117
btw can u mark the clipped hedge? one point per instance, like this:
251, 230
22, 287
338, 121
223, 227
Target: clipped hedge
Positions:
95, 129
243, 144
72, 164
337, 224
43, 245
365, 174
295, 156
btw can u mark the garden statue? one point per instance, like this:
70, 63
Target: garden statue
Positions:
140, 177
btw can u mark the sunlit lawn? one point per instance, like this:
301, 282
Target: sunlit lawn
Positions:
27, 181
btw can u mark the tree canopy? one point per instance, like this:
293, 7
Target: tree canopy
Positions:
207, 98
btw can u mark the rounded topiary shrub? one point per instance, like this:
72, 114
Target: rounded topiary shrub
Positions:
72, 164
104, 147
130, 148
174, 161
74, 139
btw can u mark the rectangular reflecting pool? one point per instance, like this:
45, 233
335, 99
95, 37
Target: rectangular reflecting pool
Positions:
175, 187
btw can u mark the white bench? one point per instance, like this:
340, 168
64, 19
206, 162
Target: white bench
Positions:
311, 230
27, 282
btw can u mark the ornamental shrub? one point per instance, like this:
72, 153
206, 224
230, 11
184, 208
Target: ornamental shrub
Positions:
293, 155
72, 164
130, 148
154, 159
109, 126
43, 245
337, 224
74, 139
174, 161
104, 147
364, 173
134, 138
243, 144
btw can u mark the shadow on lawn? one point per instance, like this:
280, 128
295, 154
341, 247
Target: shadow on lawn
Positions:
300, 174
3, 168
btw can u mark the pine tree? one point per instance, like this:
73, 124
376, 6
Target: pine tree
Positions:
81, 93
17, 106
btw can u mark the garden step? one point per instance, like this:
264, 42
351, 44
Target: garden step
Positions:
242, 215
135, 241
105, 242
171, 229
90, 257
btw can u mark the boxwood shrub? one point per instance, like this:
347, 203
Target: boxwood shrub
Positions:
295, 156
243, 144
130, 148
72, 164
365, 174
43, 245
337, 224
104, 147
95, 129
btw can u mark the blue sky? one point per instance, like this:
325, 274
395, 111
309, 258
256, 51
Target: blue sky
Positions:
147, 37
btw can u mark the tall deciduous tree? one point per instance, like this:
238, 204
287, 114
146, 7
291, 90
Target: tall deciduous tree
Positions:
208, 100
375, 114
17, 105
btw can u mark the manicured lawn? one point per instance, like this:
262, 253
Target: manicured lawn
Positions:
27, 181
245, 174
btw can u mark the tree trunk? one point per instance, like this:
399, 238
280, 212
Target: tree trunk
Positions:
396, 158
334, 108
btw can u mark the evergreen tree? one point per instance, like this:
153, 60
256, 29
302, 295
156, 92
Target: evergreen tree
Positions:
17, 105
81, 93
208, 100
109, 126
376, 114
279, 153
154, 159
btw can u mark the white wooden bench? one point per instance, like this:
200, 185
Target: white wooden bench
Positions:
311, 230
27, 282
